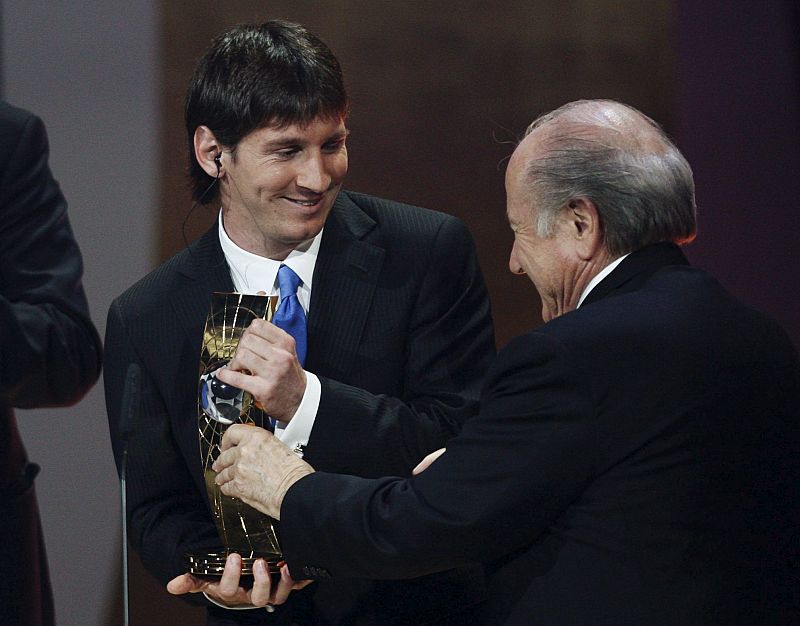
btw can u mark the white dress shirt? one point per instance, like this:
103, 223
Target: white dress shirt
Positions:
600, 276
252, 273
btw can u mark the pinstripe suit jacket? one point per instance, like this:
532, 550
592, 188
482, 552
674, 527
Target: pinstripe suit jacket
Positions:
400, 335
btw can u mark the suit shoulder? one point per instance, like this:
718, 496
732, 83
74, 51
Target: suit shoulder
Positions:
13, 119
22, 139
20, 129
412, 234
400, 215
535, 347
673, 319
534, 361
536, 350
150, 290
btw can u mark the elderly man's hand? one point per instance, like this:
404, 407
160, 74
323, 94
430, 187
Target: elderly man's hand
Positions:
266, 365
226, 590
257, 468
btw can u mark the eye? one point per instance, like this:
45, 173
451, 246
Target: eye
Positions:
334, 145
287, 153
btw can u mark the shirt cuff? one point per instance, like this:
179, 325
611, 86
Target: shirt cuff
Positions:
296, 432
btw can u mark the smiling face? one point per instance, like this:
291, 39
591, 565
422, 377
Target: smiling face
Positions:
562, 263
278, 185
542, 259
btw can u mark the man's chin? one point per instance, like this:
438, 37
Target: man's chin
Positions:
302, 238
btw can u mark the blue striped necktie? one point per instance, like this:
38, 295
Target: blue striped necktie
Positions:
290, 315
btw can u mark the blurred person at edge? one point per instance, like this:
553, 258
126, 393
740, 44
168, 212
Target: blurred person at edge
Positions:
50, 352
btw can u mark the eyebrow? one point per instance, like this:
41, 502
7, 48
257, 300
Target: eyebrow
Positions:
291, 140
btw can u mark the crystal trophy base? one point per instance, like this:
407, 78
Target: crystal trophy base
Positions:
212, 564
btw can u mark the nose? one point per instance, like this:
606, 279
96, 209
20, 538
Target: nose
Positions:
513, 262
313, 174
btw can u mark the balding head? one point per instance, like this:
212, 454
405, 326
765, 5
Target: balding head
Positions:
618, 158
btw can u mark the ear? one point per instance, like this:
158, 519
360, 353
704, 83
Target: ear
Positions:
585, 227
206, 149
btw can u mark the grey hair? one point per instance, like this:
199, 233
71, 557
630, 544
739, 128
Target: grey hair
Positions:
639, 181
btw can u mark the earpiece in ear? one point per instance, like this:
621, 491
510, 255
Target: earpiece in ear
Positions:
218, 161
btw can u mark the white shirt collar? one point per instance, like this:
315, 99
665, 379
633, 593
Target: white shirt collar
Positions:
252, 273
600, 276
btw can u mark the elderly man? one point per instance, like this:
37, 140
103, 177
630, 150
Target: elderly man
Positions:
391, 336
635, 460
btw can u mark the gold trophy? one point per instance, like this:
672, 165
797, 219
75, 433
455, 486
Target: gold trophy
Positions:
241, 528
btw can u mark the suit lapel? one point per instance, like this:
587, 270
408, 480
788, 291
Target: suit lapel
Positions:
345, 277
635, 269
206, 270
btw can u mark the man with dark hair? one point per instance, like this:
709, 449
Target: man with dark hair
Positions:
50, 352
636, 459
275, 75
398, 332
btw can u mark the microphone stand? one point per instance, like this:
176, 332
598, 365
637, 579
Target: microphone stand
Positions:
130, 405
124, 503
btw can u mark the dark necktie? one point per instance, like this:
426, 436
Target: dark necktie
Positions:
290, 315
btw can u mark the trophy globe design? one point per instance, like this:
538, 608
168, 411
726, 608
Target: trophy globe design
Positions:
241, 528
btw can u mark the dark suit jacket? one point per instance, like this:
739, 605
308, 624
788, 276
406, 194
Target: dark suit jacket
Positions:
49, 349
636, 461
400, 335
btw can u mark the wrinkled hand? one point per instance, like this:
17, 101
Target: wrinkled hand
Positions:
266, 365
257, 468
426, 462
227, 591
